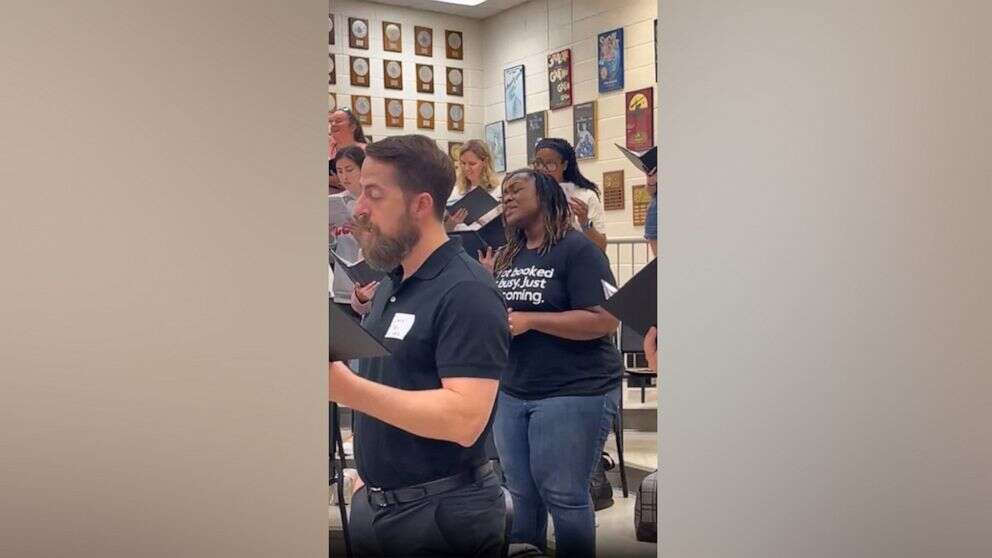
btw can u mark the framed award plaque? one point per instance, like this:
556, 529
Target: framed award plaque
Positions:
640, 119
358, 33
425, 115
453, 44
456, 82
425, 78
361, 105
641, 201
332, 102
332, 70
560, 79
392, 36
359, 71
330, 29
423, 41
456, 117
392, 74
394, 113
454, 150
613, 190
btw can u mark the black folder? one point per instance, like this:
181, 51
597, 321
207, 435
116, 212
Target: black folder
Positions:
360, 272
646, 161
636, 303
348, 339
478, 202
492, 235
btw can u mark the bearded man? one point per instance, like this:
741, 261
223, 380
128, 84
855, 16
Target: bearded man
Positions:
423, 414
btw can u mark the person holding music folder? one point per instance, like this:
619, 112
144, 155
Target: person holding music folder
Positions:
556, 158
348, 163
561, 392
475, 170
422, 413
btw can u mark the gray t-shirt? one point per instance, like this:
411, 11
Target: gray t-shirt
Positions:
339, 209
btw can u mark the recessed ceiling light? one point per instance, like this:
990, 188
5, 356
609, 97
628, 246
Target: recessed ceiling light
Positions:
463, 2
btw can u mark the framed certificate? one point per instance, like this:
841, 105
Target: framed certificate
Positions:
425, 78
455, 81
394, 113
362, 107
456, 117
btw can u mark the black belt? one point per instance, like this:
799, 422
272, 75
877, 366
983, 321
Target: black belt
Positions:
379, 498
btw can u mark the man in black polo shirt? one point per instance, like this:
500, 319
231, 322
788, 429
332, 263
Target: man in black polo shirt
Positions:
423, 413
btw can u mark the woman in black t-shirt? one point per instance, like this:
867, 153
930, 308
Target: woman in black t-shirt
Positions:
560, 394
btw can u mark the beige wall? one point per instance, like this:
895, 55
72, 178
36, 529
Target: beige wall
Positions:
471, 64
526, 34
162, 327
826, 317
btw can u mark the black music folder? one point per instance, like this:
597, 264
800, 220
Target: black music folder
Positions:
360, 272
478, 202
636, 303
646, 161
348, 339
493, 235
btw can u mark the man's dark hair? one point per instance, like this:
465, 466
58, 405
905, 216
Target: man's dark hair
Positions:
420, 166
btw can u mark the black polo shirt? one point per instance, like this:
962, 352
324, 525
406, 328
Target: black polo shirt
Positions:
446, 321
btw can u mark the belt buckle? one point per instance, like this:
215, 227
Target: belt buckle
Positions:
373, 492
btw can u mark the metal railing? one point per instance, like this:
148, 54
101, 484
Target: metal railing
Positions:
627, 256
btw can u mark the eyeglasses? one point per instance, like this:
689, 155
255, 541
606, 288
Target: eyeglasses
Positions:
546, 165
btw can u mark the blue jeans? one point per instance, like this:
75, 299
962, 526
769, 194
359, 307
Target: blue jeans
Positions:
548, 449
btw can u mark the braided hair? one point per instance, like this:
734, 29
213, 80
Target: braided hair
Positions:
556, 213
567, 152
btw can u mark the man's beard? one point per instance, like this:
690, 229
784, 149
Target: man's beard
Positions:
383, 252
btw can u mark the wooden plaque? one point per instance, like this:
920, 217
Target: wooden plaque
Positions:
394, 113
361, 105
456, 117
423, 41
425, 115
560, 78
453, 44
392, 36
360, 71
641, 201
358, 33
332, 102
613, 197
392, 74
454, 150
330, 29
425, 78
332, 70
456, 81
584, 130
640, 119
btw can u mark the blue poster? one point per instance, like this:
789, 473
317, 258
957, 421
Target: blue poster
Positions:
610, 59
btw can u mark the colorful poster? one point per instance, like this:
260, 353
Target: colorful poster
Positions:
584, 129
515, 93
537, 129
560, 79
610, 60
496, 140
640, 119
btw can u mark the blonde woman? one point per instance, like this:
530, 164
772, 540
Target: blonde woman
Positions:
475, 170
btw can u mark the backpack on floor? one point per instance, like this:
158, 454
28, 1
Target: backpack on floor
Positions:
599, 485
646, 509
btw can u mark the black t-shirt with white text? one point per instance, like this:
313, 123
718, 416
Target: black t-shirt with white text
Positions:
567, 277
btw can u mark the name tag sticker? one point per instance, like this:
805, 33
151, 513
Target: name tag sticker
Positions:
402, 324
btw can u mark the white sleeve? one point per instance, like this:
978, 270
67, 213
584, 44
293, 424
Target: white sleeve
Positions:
597, 216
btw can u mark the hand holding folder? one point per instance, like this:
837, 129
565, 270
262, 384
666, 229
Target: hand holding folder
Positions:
477, 203
348, 339
360, 272
636, 303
